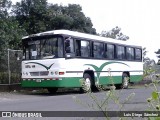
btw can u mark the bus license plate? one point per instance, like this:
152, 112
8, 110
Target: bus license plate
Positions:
38, 80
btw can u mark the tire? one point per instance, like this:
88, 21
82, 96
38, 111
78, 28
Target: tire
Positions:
87, 83
52, 90
125, 82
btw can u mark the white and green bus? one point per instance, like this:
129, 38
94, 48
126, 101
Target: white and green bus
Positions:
60, 58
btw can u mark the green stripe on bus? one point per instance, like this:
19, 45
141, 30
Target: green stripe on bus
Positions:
74, 81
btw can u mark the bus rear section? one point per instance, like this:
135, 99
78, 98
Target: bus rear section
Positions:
49, 74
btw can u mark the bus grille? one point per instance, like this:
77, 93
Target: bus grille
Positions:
40, 73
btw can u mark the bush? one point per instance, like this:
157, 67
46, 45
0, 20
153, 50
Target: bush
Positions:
4, 78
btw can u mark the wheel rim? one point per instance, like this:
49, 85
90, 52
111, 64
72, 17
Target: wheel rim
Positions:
87, 84
125, 82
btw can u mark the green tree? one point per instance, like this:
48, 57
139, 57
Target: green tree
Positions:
80, 22
38, 16
115, 33
10, 32
31, 15
10, 36
4, 6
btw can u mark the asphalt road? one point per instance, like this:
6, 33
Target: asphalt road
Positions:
65, 101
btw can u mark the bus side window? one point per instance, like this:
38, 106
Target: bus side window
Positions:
129, 53
85, 49
98, 50
82, 48
110, 51
138, 54
120, 52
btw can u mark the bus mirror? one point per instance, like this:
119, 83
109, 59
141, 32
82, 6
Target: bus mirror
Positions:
69, 38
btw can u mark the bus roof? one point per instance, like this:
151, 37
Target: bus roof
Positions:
83, 35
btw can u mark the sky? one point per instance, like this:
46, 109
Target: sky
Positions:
138, 19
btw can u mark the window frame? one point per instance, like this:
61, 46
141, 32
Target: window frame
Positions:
40, 38
102, 50
80, 52
127, 58
136, 54
106, 51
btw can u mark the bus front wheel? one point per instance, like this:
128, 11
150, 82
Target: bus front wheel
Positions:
87, 83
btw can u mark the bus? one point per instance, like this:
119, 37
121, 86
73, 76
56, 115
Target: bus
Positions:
61, 58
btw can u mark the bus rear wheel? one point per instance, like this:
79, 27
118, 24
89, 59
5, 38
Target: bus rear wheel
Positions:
52, 90
125, 82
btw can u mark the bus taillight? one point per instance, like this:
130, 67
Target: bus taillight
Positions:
61, 73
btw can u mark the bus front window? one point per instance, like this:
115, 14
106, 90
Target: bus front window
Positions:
45, 48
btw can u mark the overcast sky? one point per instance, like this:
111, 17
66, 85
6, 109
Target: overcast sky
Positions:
138, 19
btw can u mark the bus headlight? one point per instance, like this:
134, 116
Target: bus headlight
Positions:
56, 72
52, 73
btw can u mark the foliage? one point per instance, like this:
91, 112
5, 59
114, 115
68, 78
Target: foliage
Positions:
144, 54
113, 95
115, 34
10, 31
38, 16
14, 67
158, 55
158, 52
103, 105
11, 34
150, 68
4, 78
31, 15
10, 38
154, 100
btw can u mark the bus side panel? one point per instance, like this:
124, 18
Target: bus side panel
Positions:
64, 82
110, 80
136, 78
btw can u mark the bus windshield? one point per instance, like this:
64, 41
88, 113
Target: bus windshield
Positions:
43, 48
